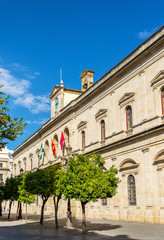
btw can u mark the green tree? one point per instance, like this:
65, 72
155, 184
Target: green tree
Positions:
11, 191
40, 183
86, 181
24, 196
1, 197
9, 128
56, 171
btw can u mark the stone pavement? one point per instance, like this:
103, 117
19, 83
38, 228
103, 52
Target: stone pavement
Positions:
97, 230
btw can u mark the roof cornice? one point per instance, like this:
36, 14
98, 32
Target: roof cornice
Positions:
156, 39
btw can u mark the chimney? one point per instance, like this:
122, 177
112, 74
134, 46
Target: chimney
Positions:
86, 79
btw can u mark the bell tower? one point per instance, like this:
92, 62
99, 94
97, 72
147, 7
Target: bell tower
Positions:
86, 79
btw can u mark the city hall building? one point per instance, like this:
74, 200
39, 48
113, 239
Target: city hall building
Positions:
121, 116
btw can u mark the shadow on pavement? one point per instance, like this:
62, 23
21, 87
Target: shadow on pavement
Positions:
34, 231
31, 232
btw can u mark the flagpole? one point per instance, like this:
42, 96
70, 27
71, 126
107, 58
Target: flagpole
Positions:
60, 74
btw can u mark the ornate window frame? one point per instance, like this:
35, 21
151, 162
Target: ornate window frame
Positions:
83, 139
157, 84
128, 99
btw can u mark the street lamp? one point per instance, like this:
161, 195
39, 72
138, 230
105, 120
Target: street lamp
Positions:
21, 171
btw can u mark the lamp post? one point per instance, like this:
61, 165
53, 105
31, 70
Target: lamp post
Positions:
19, 203
1, 183
69, 213
21, 171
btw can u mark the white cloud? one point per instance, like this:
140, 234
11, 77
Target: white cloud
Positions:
26, 71
33, 103
145, 34
36, 73
40, 122
18, 88
18, 67
12, 85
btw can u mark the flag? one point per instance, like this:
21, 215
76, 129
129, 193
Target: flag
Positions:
53, 147
41, 151
62, 139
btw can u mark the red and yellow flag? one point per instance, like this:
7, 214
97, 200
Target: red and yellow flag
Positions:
53, 147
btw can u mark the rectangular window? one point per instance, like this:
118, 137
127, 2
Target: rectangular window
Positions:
1, 176
104, 202
1, 164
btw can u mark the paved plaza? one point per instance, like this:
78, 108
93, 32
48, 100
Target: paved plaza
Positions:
97, 229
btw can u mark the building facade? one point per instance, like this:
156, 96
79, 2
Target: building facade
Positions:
6, 164
121, 116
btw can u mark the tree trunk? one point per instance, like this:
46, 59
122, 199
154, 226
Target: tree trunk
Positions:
10, 203
20, 211
84, 229
69, 218
0, 208
56, 204
42, 211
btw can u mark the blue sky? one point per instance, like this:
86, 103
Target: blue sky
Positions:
39, 37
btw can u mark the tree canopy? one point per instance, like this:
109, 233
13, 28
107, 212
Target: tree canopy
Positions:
41, 183
85, 180
9, 128
25, 196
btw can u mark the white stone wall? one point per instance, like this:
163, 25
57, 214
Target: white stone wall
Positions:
138, 151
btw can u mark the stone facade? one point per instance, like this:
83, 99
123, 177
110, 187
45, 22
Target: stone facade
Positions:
6, 164
121, 116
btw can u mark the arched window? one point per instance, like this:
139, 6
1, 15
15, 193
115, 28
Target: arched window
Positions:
38, 160
56, 145
131, 190
83, 139
129, 120
102, 130
162, 100
47, 151
66, 143
31, 164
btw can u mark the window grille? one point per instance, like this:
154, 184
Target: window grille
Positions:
129, 117
131, 190
83, 139
102, 130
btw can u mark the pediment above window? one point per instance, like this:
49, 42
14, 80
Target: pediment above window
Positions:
101, 113
159, 158
82, 125
37, 150
128, 164
126, 98
158, 79
30, 155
